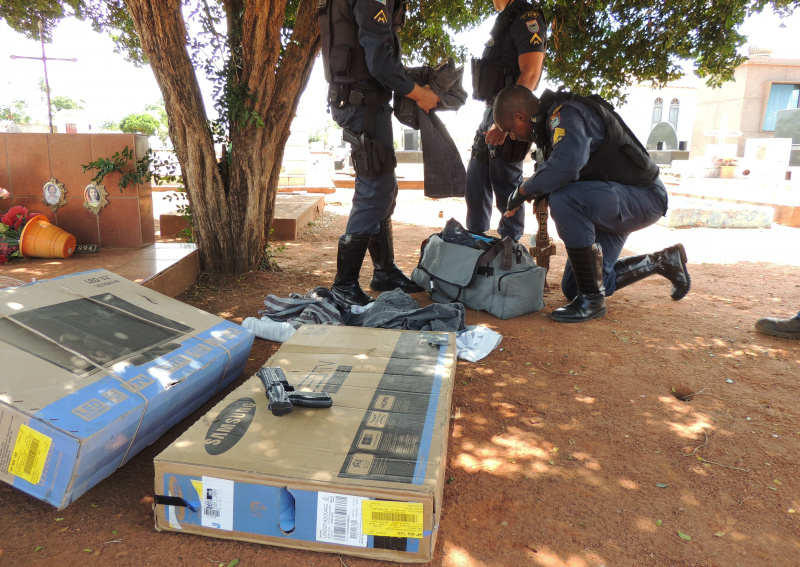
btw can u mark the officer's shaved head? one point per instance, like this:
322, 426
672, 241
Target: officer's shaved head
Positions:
513, 108
515, 98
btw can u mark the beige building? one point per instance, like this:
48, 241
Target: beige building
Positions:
674, 103
749, 104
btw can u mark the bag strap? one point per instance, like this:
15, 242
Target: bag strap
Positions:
505, 247
432, 291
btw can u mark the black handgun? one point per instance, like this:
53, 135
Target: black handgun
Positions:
351, 138
282, 395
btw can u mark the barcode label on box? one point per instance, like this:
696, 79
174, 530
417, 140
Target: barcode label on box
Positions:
339, 519
217, 503
393, 519
30, 454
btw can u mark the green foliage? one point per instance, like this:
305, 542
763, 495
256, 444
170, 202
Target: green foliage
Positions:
270, 254
160, 113
139, 124
217, 50
138, 172
65, 103
323, 134
109, 125
428, 36
15, 112
598, 47
167, 169
604, 46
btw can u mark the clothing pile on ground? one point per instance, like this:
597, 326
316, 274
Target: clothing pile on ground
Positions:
395, 309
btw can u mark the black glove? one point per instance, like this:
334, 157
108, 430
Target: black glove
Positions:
516, 199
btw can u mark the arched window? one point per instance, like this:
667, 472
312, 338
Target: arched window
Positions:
658, 107
674, 107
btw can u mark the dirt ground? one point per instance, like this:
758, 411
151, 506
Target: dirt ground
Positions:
666, 434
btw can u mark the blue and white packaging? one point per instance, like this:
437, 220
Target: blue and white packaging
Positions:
95, 368
364, 477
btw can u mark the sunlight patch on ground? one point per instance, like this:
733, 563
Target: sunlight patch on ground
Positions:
545, 557
628, 484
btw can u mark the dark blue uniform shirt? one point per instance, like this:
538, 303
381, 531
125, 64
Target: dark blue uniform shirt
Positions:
575, 131
380, 43
526, 35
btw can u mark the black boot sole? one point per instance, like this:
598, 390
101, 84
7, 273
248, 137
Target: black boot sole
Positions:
595, 315
777, 333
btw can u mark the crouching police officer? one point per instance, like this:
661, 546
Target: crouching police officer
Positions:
601, 184
361, 57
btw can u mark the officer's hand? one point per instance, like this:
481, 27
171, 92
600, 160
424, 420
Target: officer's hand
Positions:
515, 201
495, 136
425, 98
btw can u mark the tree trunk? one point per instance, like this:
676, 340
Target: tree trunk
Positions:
232, 222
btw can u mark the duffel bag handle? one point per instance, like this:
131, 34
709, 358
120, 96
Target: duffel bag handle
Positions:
505, 247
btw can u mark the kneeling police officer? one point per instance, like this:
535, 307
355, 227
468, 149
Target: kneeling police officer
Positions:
601, 185
361, 57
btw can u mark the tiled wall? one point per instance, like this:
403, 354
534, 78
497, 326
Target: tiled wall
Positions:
28, 161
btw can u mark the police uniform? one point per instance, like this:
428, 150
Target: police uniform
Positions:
602, 186
490, 177
361, 56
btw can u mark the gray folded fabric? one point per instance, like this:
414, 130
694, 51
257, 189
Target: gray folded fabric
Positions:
318, 306
392, 310
398, 310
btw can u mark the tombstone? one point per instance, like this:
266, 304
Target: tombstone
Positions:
662, 145
411, 140
662, 137
294, 167
767, 158
787, 125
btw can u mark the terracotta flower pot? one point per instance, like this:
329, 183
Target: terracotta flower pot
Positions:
41, 239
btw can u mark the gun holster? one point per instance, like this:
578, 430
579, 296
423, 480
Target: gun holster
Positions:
370, 158
514, 151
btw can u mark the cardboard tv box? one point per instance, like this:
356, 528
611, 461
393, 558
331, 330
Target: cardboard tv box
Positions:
364, 477
95, 368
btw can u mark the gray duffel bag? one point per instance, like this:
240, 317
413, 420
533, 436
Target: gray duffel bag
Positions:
501, 278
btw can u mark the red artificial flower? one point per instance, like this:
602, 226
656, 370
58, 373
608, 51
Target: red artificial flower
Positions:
16, 217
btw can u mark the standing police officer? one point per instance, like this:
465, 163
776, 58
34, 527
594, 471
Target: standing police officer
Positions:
601, 184
513, 55
361, 56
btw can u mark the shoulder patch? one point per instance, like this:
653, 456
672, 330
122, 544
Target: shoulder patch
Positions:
558, 135
533, 26
536, 39
555, 120
529, 15
380, 17
382, 2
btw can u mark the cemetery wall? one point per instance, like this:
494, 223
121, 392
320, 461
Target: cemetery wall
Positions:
28, 161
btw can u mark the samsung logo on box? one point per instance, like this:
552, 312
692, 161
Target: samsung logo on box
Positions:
230, 426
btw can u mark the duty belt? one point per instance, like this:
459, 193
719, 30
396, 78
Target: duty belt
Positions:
342, 94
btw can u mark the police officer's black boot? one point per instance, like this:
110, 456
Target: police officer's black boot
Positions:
352, 249
669, 262
387, 275
590, 303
